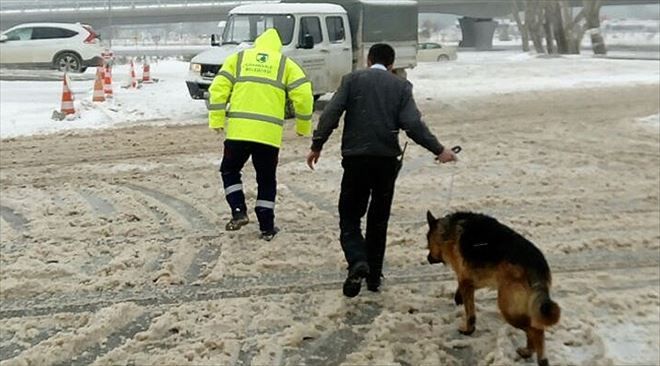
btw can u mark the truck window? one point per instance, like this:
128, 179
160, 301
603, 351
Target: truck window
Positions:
312, 26
335, 29
246, 28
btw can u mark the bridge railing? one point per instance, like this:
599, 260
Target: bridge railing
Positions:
54, 5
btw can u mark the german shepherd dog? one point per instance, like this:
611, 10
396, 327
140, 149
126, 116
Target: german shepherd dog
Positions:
485, 253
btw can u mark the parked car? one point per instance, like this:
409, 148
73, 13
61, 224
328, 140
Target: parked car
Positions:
429, 51
60, 46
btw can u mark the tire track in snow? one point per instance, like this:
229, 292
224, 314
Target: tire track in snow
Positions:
298, 283
114, 341
98, 204
15, 220
196, 221
186, 211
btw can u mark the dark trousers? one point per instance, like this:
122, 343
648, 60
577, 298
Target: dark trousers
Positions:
366, 177
264, 159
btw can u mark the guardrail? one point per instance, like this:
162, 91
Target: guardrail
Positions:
48, 5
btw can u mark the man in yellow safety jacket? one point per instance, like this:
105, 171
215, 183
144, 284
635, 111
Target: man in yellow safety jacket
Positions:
259, 81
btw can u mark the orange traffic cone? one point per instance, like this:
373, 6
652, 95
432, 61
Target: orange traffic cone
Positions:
146, 72
67, 97
133, 80
99, 95
107, 82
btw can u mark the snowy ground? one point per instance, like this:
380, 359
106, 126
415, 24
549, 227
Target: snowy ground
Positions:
27, 106
112, 249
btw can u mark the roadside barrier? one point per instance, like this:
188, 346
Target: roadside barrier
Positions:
133, 81
107, 82
67, 97
146, 72
99, 94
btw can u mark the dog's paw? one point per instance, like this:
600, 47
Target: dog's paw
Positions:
465, 330
524, 352
458, 298
543, 362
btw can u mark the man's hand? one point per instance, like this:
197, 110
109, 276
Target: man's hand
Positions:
313, 158
446, 156
217, 130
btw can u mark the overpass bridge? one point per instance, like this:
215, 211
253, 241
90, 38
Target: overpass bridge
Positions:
477, 27
101, 13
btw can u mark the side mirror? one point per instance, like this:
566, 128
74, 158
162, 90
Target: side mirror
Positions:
215, 40
307, 42
3, 38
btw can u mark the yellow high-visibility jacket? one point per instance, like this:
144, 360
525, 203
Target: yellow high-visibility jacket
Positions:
259, 80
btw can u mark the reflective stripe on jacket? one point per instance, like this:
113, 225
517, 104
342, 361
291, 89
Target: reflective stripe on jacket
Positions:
259, 80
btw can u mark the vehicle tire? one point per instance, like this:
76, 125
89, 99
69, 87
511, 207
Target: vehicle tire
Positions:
68, 61
443, 58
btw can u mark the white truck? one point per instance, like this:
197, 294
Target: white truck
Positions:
328, 40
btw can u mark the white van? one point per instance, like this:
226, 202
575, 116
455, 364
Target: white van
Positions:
326, 40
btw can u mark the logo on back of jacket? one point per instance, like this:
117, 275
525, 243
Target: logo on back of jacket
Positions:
261, 65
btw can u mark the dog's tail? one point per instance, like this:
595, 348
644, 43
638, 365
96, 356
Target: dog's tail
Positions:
544, 311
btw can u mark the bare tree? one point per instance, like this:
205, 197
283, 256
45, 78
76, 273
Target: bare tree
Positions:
524, 33
573, 30
558, 28
534, 23
548, 24
555, 22
592, 25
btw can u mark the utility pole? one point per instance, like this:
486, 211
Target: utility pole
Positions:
109, 3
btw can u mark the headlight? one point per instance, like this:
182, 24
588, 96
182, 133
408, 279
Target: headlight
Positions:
197, 68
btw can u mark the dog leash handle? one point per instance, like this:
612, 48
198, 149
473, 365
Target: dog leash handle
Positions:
456, 149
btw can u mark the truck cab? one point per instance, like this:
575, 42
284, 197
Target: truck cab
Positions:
316, 36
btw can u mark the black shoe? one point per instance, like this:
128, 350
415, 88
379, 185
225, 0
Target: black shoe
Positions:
373, 282
238, 221
353, 281
268, 235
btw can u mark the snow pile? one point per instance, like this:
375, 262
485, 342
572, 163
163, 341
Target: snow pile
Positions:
477, 74
27, 106
651, 121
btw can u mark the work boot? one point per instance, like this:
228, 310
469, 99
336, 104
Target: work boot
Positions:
373, 281
268, 235
238, 220
353, 282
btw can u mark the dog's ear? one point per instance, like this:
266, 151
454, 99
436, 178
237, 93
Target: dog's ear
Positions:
430, 219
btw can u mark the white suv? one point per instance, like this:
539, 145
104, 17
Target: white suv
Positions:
61, 46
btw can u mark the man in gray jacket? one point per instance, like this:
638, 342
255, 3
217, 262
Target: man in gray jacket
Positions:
377, 104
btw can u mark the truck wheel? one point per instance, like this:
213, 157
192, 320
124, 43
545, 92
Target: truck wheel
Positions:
68, 61
401, 73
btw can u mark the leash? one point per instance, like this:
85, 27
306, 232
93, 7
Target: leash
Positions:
456, 149
403, 154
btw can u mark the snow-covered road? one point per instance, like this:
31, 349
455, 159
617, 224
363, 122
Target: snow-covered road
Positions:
112, 248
